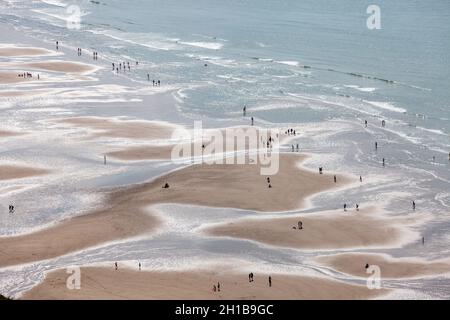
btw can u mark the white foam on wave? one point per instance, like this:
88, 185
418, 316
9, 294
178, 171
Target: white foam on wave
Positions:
362, 89
386, 106
289, 63
204, 45
436, 131
149, 40
60, 15
56, 3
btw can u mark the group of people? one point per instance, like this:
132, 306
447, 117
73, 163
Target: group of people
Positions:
11, 208
216, 288
299, 226
290, 132
27, 75
121, 66
268, 182
295, 148
356, 207
95, 55
79, 51
156, 83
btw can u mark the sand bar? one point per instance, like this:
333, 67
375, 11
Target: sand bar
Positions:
103, 283
115, 222
13, 51
8, 77
60, 66
325, 230
7, 133
354, 264
130, 129
8, 172
239, 186
232, 140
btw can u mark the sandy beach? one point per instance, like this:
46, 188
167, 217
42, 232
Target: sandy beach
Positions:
392, 268
103, 283
121, 144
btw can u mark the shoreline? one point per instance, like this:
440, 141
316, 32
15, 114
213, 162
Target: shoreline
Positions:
124, 216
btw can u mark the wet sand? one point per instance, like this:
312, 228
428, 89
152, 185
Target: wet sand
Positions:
393, 268
323, 230
139, 153
233, 139
115, 222
6, 133
239, 186
8, 172
104, 283
60, 66
130, 129
9, 77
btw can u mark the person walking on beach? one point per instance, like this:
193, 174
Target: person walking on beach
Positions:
383, 162
335, 179
414, 205
376, 145
360, 178
270, 281
115, 264
345, 207
148, 77
357, 207
57, 45
252, 121
244, 111
214, 288
218, 286
365, 123
300, 225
